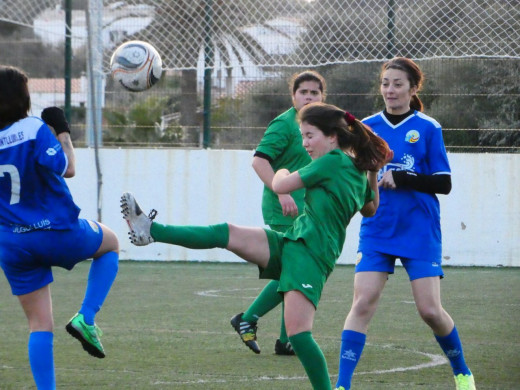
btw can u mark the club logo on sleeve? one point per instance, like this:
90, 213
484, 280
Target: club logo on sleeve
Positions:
412, 136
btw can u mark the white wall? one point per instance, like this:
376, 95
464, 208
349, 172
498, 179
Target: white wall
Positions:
480, 217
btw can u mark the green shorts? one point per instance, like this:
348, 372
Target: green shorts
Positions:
295, 267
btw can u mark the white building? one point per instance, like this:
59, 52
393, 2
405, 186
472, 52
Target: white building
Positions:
119, 20
47, 92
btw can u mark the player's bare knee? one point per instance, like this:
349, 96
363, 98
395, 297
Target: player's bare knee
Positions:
430, 315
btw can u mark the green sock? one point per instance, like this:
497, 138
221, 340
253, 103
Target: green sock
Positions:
312, 359
283, 333
267, 300
194, 237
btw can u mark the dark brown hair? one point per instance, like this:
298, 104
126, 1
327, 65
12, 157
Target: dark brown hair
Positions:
369, 149
15, 101
308, 75
415, 77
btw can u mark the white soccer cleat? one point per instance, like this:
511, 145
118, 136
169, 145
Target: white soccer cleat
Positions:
138, 223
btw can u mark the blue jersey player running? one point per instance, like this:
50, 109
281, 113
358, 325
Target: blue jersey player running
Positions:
407, 223
40, 228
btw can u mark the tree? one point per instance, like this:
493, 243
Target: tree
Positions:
21, 48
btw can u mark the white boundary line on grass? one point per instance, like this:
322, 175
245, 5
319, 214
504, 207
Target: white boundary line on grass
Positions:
218, 293
435, 360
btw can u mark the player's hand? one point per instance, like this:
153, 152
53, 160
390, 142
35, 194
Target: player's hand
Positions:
388, 157
55, 117
288, 205
387, 181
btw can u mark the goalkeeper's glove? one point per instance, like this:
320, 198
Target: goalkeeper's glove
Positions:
55, 117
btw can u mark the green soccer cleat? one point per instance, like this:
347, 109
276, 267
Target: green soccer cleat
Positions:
465, 382
339, 388
88, 335
246, 331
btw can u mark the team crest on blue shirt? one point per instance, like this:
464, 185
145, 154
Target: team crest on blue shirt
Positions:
412, 136
359, 257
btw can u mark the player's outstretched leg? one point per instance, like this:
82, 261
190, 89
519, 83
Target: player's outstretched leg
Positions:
138, 222
247, 332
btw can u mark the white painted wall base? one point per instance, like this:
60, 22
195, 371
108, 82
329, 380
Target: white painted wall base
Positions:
480, 218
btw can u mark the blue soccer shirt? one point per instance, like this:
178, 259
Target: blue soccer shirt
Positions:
33, 193
407, 222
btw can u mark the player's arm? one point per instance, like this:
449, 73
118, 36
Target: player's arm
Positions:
285, 182
433, 184
264, 170
370, 208
68, 149
55, 118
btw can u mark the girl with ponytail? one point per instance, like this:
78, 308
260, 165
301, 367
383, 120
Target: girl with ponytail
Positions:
352, 135
337, 186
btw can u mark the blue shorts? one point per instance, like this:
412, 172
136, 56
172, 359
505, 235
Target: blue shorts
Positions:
27, 258
382, 262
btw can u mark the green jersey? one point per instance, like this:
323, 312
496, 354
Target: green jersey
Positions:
335, 191
283, 144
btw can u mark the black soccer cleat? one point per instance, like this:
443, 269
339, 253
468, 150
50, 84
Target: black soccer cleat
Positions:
285, 349
246, 331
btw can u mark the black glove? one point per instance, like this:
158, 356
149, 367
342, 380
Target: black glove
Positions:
55, 117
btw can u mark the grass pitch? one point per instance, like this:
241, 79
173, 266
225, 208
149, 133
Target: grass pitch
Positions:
166, 326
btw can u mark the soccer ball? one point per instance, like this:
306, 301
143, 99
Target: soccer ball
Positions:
136, 65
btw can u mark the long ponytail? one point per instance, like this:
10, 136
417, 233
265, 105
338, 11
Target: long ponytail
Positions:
370, 150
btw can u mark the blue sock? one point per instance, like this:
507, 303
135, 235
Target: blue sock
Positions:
102, 274
41, 358
452, 347
352, 344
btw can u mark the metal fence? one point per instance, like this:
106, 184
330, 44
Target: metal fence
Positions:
469, 51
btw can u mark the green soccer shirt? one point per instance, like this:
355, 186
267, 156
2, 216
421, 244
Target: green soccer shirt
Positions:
283, 143
335, 191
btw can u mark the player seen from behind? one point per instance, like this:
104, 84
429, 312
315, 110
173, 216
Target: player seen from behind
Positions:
40, 228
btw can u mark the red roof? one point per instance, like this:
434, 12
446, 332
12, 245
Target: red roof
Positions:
53, 85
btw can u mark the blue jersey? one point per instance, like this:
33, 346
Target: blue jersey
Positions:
33, 193
407, 222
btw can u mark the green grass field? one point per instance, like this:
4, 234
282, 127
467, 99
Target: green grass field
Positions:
166, 326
